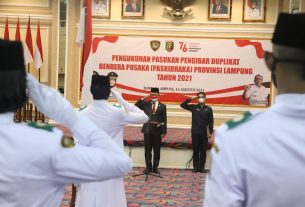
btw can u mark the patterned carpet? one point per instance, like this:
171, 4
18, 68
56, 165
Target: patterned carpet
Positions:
177, 188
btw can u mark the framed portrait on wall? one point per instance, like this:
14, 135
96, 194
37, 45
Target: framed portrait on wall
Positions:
101, 8
133, 8
220, 9
254, 10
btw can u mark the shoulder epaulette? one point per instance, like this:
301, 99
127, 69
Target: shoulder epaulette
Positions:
43, 126
82, 108
116, 105
67, 142
240, 119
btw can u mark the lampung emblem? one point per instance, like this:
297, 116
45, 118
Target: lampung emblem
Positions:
169, 46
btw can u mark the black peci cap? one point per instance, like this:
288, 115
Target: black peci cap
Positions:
11, 56
154, 90
113, 74
100, 86
288, 31
12, 76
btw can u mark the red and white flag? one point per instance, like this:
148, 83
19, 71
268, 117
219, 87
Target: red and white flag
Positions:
38, 55
17, 34
28, 47
84, 35
6, 35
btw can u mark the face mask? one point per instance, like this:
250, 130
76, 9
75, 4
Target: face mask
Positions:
154, 99
201, 100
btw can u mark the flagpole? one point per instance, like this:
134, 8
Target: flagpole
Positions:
39, 75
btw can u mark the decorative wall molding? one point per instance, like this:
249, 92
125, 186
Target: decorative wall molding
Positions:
23, 4
26, 16
181, 29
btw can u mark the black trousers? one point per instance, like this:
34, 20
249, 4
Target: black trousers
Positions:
200, 146
152, 142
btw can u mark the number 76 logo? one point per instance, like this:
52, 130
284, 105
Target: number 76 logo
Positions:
183, 46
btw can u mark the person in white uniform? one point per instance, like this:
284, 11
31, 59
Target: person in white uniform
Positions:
36, 161
258, 160
112, 119
254, 11
256, 93
100, 7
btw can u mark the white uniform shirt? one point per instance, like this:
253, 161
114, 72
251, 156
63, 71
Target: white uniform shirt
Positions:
100, 9
35, 167
261, 162
257, 95
112, 119
254, 12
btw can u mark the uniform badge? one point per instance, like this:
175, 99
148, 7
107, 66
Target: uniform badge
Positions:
215, 147
67, 142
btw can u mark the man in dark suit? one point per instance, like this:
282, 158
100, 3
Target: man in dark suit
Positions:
133, 6
202, 117
154, 130
219, 8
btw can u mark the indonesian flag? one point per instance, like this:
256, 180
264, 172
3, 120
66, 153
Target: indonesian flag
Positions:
84, 35
28, 48
17, 35
38, 55
6, 35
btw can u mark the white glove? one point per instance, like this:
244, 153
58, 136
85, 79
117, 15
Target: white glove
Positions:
125, 104
50, 102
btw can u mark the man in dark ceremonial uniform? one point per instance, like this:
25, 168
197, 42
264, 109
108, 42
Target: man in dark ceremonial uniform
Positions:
154, 130
113, 76
202, 117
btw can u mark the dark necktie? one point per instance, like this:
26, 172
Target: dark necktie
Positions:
154, 107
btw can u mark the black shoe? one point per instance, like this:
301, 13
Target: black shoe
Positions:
204, 171
195, 170
156, 171
146, 171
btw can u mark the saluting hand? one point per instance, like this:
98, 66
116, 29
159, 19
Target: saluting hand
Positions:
145, 97
50, 102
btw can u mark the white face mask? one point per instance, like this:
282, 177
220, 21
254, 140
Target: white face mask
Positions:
201, 100
155, 99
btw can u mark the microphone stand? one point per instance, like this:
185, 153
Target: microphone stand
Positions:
146, 172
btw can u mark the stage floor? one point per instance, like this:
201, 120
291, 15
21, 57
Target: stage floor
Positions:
178, 188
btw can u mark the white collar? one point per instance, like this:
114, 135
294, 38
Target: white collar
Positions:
291, 98
99, 102
7, 118
291, 104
